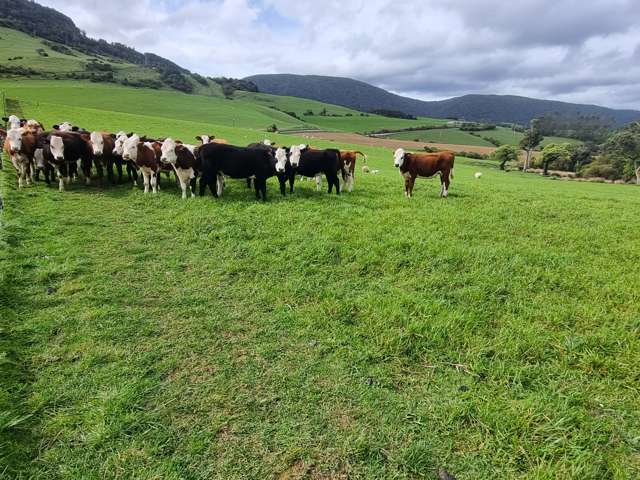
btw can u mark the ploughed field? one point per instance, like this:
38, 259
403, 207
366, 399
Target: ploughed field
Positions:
493, 334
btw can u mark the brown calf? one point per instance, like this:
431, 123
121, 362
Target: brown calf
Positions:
20, 145
349, 158
413, 165
143, 155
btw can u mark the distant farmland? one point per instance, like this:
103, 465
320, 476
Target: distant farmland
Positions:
505, 136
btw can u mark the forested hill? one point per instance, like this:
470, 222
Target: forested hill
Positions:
48, 23
482, 108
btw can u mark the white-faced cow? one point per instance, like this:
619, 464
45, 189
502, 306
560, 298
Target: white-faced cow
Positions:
219, 160
144, 157
414, 165
118, 150
280, 165
310, 163
63, 150
181, 158
20, 145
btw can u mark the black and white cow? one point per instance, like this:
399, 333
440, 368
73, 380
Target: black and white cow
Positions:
310, 163
64, 150
220, 160
187, 167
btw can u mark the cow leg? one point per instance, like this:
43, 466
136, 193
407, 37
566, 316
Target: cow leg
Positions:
249, 182
319, 183
99, 170
219, 185
256, 185
411, 185
30, 168
119, 170
155, 181
183, 178
192, 185
283, 186
109, 167
146, 180
445, 185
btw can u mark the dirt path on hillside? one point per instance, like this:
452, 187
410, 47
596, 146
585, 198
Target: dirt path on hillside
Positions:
392, 144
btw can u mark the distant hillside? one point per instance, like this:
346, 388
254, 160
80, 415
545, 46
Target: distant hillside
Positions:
481, 108
44, 22
38, 41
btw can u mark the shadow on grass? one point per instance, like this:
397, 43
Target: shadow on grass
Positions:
18, 423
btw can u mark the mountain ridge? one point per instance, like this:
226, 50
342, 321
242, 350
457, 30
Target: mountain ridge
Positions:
472, 107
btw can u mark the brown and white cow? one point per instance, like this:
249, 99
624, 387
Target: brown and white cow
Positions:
349, 158
181, 158
144, 157
414, 165
20, 145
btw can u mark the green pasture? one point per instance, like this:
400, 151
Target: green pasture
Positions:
493, 334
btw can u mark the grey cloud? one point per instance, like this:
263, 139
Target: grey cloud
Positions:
565, 49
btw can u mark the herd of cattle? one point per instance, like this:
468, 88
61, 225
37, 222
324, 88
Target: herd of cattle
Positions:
66, 149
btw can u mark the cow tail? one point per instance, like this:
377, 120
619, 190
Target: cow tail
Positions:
452, 164
363, 156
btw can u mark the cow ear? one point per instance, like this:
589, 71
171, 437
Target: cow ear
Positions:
130, 134
199, 138
143, 139
5, 119
113, 135
75, 129
56, 127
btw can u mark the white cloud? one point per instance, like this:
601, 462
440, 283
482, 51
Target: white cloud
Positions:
564, 49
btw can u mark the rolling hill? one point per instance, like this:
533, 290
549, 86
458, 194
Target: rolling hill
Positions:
493, 108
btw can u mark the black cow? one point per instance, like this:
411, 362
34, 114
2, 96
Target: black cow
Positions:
219, 160
280, 166
310, 163
63, 151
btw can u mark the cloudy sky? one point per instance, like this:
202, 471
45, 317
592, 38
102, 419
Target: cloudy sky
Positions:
572, 50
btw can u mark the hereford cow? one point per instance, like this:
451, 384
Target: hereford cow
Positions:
310, 163
20, 146
413, 165
182, 159
118, 144
349, 158
143, 155
219, 160
102, 146
3, 137
64, 150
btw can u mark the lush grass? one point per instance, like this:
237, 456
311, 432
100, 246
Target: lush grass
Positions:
494, 334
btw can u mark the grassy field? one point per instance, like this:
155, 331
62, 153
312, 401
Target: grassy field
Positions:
348, 120
456, 136
493, 334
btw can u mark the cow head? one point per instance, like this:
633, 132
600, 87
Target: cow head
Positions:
118, 146
169, 152
281, 160
268, 142
204, 139
13, 121
130, 148
97, 143
56, 145
295, 154
65, 127
398, 157
14, 138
